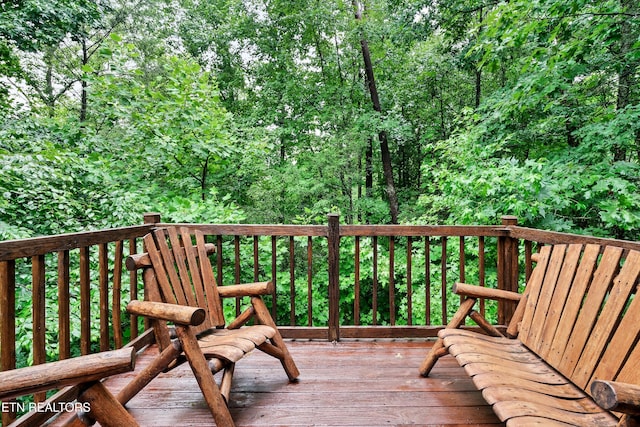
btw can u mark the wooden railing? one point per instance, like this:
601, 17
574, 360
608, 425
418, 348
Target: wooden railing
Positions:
333, 281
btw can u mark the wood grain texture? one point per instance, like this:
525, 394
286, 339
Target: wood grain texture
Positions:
361, 394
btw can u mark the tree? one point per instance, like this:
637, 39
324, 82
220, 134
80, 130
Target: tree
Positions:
382, 134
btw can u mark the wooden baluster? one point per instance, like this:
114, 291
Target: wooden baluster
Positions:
375, 281
274, 274
64, 327
333, 258
117, 295
427, 277
133, 291
356, 299
103, 265
292, 282
236, 270
256, 260
443, 280
481, 271
219, 260
528, 267
85, 301
309, 281
38, 314
392, 285
409, 285
462, 261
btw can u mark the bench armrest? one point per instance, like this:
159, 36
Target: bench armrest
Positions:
179, 314
78, 370
246, 289
617, 396
482, 292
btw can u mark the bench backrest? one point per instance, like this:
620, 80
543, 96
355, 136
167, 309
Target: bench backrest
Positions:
580, 314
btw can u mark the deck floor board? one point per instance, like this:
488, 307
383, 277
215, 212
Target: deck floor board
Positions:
351, 383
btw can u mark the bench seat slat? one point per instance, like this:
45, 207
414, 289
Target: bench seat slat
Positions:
534, 421
500, 379
510, 411
580, 404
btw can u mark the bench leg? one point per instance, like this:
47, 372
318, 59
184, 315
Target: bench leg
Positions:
438, 350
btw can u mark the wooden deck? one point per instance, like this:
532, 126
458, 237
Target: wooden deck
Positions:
352, 383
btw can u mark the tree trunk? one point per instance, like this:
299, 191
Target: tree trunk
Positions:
382, 135
626, 80
83, 95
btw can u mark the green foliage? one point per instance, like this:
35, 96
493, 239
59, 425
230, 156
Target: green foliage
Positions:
228, 111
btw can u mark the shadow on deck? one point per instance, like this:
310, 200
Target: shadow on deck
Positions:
352, 383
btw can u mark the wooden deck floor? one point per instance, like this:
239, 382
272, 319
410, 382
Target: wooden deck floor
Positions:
353, 383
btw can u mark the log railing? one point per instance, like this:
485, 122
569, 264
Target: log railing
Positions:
332, 281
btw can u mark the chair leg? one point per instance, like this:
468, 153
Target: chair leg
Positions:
438, 350
227, 379
204, 376
264, 317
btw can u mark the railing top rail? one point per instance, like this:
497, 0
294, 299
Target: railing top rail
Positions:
423, 230
554, 237
21, 248
348, 230
255, 229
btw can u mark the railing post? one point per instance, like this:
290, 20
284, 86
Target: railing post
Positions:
333, 236
507, 269
151, 218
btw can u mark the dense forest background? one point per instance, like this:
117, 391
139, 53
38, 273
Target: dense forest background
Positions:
271, 111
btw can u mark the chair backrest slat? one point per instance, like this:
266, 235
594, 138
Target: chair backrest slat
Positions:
213, 301
161, 274
183, 273
182, 289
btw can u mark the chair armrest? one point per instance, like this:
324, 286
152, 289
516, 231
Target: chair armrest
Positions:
246, 289
482, 292
53, 375
617, 396
179, 314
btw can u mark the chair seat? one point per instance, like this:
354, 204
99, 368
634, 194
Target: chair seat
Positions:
232, 344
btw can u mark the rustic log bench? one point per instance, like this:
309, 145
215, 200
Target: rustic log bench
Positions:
571, 354
84, 374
